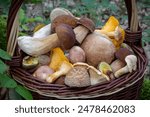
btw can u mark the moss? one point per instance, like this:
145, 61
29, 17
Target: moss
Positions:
2, 32
145, 92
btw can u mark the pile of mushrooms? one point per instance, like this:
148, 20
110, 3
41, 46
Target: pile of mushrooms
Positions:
70, 51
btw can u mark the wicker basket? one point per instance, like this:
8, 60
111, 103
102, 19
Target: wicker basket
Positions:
125, 87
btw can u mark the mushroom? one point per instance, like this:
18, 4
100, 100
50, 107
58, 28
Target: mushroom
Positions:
98, 48
43, 32
95, 75
122, 53
58, 12
85, 25
43, 72
117, 64
131, 66
44, 59
106, 69
124, 45
64, 37
57, 57
77, 77
76, 54
63, 19
29, 62
116, 34
114, 31
63, 70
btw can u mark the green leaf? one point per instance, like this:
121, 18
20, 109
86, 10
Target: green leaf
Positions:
7, 82
3, 67
13, 95
4, 55
24, 92
22, 16
24, 27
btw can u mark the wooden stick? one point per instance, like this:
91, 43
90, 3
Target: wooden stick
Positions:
13, 36
134, 18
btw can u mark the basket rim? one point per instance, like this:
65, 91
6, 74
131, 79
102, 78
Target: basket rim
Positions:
84, 96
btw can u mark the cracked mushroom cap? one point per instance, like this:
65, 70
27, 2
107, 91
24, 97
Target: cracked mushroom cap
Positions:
88, 23
66, 36
78, 77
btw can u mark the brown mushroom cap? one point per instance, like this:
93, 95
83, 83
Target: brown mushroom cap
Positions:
78, 77
63, 19
88, 23
97, 49
122, 53
66, 36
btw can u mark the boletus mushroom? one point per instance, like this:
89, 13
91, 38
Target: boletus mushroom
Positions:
95, 75
43, 72
82, 27
64, 37
76, 54
98, 48
63, 19
58, 12
78, 77
131, 65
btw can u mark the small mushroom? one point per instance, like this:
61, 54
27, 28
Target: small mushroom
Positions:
122, 53
96, 76
86, 26
58, 12
43, 72
63, 70
78, 77
131, 66
44, 59
117, 64
76, 54
106, 69
29, 62
64, 38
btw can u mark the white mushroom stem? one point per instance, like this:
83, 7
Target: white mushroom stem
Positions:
121, 71
131, 61
34, 46
43, 32
63, 70
81, 32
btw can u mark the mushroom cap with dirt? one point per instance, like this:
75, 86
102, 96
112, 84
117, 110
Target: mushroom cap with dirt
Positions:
98, 48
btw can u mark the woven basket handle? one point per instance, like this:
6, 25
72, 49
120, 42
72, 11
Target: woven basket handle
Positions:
13, 24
